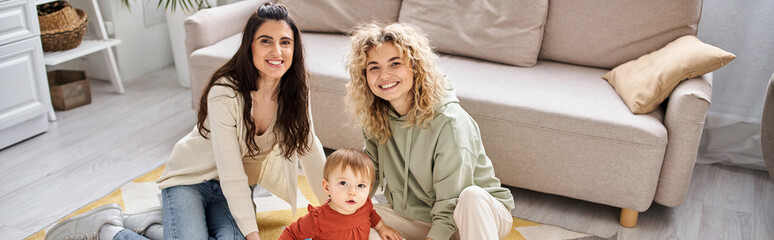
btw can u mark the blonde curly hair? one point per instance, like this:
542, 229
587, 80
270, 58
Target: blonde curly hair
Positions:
370, 112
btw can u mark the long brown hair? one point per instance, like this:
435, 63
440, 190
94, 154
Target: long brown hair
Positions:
292, 124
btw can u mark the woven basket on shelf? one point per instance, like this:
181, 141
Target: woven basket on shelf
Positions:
61, 26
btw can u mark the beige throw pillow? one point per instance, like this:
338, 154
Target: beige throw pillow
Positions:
645, 82
508, 32
340, 15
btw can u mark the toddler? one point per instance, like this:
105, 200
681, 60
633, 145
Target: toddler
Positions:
348, 177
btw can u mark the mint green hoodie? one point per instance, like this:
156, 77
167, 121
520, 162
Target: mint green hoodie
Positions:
426, 169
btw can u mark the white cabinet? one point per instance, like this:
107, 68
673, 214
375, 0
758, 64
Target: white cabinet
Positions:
24, 96
18, 20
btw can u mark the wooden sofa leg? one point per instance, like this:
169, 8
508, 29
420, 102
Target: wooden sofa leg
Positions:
629, 217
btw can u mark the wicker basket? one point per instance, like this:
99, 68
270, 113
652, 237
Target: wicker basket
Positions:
61, 26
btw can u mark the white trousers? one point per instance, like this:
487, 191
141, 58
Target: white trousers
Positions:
478, 215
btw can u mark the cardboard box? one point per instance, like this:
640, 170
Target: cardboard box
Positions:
69, 89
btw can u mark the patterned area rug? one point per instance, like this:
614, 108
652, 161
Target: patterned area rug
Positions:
275, 214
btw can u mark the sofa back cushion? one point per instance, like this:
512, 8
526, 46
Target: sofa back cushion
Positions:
339, 15
607, 33
508, 32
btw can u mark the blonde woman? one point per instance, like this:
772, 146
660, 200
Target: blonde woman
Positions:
426, 149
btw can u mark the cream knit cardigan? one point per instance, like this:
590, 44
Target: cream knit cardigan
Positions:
195, 159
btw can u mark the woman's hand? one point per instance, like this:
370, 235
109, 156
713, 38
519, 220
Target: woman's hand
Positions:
386, 232
252, 236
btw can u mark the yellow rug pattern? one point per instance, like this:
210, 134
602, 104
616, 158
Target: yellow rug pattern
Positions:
271, 223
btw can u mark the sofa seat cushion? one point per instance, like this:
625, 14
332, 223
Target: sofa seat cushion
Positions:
327, 81
561, 129
325, 60
552, 96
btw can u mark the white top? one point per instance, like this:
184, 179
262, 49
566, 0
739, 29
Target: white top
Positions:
222, 156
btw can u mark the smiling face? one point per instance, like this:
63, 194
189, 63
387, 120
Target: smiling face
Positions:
390, 76
273, 49
348, 191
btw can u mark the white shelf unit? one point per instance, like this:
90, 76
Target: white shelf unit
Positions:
97, 43
88, 46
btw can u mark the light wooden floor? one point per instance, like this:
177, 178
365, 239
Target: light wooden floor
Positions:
91, 151
94, 149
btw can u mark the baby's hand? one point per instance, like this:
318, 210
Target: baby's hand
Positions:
389, 233
386, 232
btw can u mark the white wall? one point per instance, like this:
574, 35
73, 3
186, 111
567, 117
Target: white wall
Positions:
143, 49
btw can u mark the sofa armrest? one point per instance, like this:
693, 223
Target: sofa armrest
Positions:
209, 26
684, 121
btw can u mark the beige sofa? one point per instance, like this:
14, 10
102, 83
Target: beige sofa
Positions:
555, 127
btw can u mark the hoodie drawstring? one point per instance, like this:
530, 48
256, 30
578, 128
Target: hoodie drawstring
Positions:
406, 166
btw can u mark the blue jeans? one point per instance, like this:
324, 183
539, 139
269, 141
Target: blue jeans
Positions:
198, 211
127, 234
194, 212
